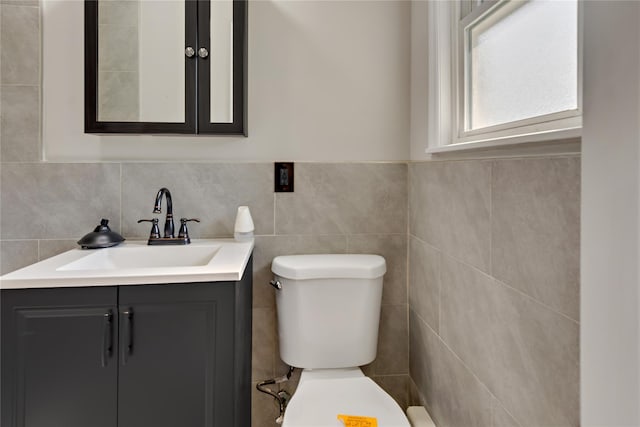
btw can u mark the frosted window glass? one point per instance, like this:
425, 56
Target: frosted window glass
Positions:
522, 62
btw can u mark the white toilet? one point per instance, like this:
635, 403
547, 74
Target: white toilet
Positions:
328, 316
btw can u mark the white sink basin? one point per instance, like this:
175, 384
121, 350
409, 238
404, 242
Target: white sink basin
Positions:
136, 263
144, 257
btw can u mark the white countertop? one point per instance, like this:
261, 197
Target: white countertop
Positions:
74, 268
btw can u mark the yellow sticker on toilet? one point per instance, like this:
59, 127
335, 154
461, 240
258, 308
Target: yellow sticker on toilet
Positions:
356, 421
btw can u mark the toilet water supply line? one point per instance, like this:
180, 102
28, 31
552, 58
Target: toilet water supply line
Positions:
281, 396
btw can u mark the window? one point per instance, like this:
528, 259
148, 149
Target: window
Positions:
515, 70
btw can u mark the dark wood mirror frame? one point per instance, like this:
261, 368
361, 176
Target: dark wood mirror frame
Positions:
197, 90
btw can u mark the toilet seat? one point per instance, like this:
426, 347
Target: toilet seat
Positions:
323, 394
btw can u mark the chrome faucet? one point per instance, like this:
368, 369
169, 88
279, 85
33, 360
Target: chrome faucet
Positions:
169, 228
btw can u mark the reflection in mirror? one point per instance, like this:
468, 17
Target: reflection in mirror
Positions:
141, 68
221, 54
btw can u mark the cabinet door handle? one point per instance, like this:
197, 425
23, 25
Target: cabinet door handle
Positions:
127, 330
107, 337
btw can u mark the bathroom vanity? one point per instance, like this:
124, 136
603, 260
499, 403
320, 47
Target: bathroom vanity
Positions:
136, 344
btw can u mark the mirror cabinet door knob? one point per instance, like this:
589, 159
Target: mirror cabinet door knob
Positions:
203, 52
189, 52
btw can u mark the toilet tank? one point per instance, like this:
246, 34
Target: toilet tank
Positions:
328, 309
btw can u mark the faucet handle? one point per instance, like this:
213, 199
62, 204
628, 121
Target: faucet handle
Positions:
155, 230
185, 220
184, 233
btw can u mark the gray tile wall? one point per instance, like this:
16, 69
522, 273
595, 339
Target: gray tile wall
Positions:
20, 81
494, 291
46, 207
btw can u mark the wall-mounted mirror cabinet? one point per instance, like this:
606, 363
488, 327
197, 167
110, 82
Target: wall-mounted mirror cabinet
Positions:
171, 66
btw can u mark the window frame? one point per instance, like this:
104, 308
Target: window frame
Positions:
447, 67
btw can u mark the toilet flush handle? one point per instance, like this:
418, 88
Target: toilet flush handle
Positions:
276, 284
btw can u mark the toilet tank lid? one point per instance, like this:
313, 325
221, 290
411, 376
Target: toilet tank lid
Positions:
329, 266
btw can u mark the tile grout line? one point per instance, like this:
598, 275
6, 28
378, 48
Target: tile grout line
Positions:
507, 411
17, 4
329, 234
492, 412
489, 276
421, 240
439, 264
462, 362
407, 299
40, 86
390, 375
529, 297
491, 166
19, 85
407, 269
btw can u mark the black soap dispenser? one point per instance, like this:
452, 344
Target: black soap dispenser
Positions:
101, 237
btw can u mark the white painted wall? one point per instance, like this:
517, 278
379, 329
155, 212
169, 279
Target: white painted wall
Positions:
420, 43
610, 247
328, 81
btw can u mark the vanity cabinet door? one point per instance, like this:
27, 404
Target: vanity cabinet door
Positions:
59, 357
177, 355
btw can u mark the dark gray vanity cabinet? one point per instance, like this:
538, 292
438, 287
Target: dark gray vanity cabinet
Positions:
128, 356
178, 356
58, 364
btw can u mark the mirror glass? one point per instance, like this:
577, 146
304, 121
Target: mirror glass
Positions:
141, 61
221, 44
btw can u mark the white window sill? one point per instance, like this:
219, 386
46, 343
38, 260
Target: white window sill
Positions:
556, 142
